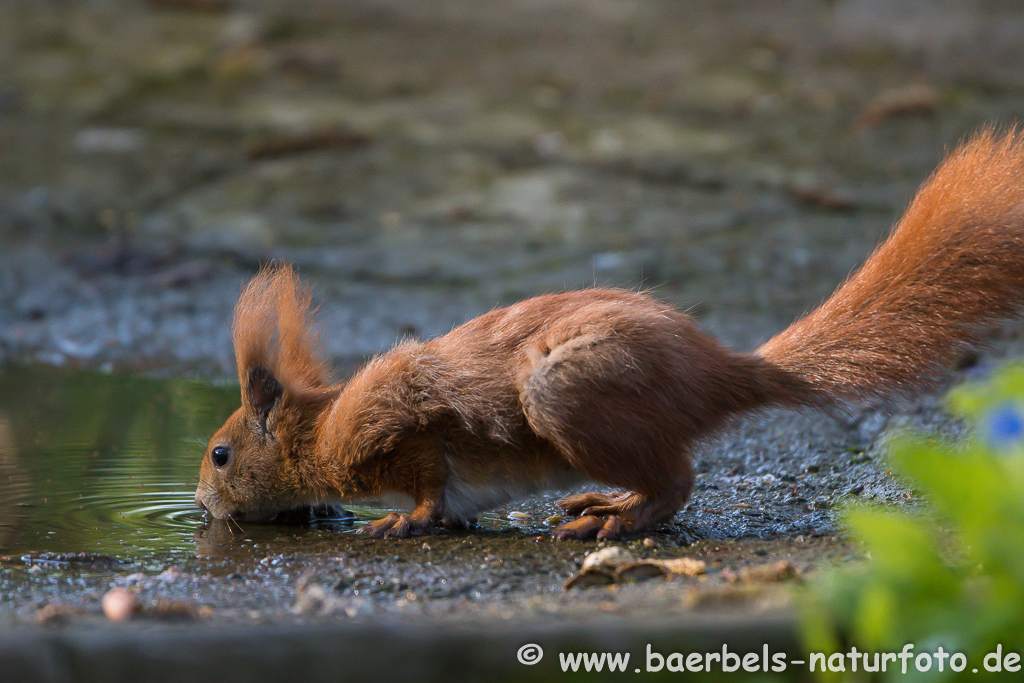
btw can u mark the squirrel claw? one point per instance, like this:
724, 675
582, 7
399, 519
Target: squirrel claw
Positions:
398, 526
577, 504
592, 526
407, 525
579, 529
613, 528
378, 528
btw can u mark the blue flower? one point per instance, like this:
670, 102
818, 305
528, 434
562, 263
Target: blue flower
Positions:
1004, 425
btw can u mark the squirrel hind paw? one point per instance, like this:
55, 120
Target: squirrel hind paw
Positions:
591, 526
616, 515
578, 529
575, 505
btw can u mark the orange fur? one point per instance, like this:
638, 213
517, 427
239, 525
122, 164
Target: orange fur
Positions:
604, 385
272, 326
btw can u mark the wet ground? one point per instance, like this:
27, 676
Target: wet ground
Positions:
422, 163
99, 471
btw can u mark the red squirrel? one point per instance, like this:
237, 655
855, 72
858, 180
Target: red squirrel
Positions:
600, 385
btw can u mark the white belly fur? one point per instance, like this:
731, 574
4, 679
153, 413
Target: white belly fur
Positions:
463, 501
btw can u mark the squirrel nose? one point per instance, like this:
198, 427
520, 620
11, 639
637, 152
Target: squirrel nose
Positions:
199, 503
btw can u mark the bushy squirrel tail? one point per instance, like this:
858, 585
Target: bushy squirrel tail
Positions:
954, 262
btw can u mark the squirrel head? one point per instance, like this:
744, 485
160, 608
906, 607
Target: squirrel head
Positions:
253, 465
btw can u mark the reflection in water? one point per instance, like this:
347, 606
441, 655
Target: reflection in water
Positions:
101, 464
218, 538
211, 538
12, 486
214, 538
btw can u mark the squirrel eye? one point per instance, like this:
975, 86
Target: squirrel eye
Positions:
220, 456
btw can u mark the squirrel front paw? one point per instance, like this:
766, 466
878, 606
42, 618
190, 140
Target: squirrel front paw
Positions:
400, 526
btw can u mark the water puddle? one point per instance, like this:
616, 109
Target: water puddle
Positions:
99, 464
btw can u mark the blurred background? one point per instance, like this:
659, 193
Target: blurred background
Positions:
423, 162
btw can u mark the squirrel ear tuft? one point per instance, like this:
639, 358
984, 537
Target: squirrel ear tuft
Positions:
262, 392
274, 334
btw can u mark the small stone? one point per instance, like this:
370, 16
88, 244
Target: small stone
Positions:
120, 604
518, 516
361, 608
608, 558
650, 543
684, 566
53, 615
